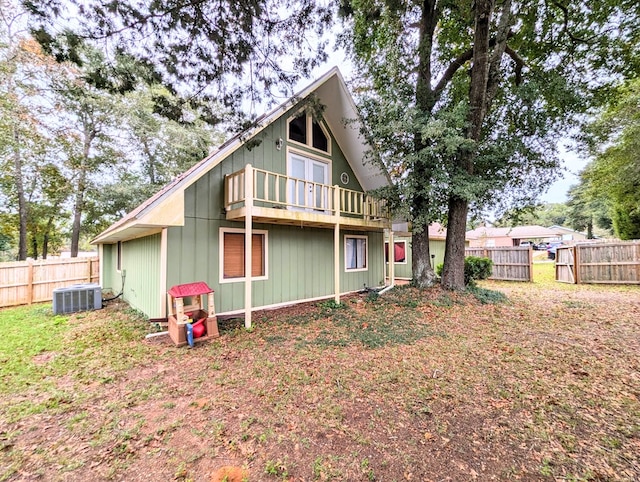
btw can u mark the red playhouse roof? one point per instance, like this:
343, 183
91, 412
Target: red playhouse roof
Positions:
190, 289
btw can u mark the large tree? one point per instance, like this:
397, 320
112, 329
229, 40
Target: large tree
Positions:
234, 51
23, 69
612, 179
468, 98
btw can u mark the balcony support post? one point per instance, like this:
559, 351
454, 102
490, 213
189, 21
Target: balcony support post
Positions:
336, 243
248, 239
392, 259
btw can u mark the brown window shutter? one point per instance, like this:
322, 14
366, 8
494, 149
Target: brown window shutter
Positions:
234, 255
257, 258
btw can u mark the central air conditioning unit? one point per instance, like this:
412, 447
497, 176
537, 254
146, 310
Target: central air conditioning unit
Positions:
81, 297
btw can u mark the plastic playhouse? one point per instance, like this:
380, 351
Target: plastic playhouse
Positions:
189, 322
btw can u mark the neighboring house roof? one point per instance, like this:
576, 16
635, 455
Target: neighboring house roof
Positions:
166, 207
564, 230
516, 232
436, 230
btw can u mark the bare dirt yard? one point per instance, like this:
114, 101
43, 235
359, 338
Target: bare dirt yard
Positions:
408, 386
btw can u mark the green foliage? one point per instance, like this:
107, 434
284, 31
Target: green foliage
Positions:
551, 214
372, 297
487, 297
106, 146
586, 211
385, 325
441, 117
475, 269
232, 51
611, 180
331, 305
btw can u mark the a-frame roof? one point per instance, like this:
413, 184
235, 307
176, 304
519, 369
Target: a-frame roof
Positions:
166, 207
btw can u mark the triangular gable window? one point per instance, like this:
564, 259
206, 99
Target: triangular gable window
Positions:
305, 130
319, 138
298, 129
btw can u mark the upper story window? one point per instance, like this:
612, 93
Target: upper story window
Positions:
306, 130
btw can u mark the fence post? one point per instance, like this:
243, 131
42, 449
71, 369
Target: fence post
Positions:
89, 274
30, 282
576, 264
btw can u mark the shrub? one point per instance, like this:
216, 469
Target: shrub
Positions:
475, 268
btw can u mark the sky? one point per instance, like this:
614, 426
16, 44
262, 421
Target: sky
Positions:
572, 164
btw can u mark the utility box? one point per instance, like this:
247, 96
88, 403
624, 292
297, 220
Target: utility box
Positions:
79, 297
181, 314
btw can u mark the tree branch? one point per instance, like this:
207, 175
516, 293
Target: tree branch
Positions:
452, 69
520, 63
459, 62
565, 14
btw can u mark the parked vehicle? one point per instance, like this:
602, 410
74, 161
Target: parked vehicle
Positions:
551, 249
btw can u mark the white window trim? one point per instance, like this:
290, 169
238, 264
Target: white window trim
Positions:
222, 279
366, 261
309, 155
309, 144
403, 241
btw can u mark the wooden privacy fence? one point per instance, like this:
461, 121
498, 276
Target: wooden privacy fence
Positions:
509, 264
26, 282
613, 263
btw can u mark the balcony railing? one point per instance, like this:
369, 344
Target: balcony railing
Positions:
276, 191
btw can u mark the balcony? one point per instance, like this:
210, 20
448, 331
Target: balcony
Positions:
279, 199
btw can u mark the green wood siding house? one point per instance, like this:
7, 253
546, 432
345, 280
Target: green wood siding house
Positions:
402, 252
285, 203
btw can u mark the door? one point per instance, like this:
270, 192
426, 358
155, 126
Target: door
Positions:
308, 190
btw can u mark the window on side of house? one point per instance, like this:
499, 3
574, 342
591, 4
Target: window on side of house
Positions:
318, 137
399, 251
306, 130
298, 129
355, 253
232, 252
119, 256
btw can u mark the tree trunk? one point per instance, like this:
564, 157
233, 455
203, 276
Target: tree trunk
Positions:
34, 247
77, 215
23, 213
45, 238
78, 206
423, 274
45, 245
453, 272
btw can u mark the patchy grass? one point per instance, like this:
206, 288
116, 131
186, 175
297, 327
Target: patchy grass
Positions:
39, 350
27, 333
410, 385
